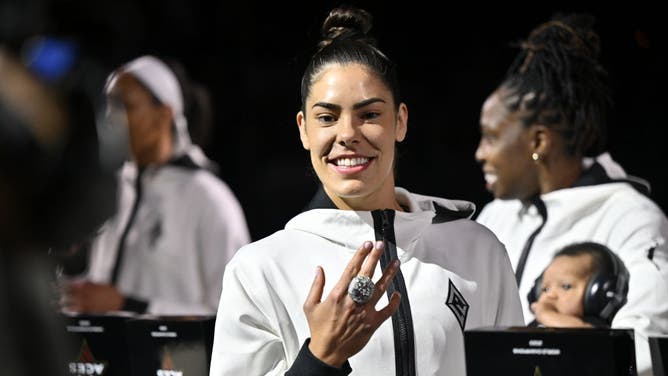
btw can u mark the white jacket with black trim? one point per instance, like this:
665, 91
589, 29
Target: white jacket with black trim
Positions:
186, 225
603, 207
456, 275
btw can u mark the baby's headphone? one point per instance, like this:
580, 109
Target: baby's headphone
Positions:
606, 290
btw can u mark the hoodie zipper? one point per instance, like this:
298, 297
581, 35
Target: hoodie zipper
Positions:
542, 210
121, 243
402, 321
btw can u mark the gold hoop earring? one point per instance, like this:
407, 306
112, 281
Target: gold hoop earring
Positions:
535, 157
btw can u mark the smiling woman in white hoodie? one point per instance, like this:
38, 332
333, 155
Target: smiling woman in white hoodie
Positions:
537, 129
437, 272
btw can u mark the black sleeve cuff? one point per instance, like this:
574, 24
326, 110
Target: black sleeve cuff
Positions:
307, 364
134, 305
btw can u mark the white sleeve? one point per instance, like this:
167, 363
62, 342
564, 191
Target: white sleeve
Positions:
646, 310
503, 288
220, 231
245, 340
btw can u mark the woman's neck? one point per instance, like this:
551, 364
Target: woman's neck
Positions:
364, 203
560, 173
156, 156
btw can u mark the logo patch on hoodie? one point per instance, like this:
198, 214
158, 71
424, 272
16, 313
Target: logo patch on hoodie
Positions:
457, 304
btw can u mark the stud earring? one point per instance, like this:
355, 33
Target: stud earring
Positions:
535, 157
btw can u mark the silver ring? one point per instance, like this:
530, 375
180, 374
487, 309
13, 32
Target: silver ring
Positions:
361, 289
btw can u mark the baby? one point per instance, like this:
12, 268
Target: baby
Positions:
584, 285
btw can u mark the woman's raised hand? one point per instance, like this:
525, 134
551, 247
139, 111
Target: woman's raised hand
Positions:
339, 327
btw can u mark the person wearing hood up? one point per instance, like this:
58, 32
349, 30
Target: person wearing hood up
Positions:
543, 156
315, 298
176, 224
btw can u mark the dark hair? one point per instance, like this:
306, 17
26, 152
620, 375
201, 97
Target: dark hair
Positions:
599, 253
345, 40
558, 79
197, 107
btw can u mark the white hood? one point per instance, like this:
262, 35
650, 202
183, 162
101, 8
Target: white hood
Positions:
357, 225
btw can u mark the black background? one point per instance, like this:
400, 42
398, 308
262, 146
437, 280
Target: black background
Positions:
251, 54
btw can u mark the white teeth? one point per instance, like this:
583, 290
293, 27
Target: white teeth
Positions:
490, 178
351, 162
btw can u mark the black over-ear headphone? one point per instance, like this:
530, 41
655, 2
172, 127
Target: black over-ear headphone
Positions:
606, 290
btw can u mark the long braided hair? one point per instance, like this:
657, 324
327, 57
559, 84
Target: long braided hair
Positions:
558, 80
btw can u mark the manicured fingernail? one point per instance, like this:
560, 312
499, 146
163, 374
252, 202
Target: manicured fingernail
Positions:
396, 263
367, 245
380, 245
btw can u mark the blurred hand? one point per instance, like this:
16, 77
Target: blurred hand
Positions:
339, 327
548, 315
542, 307
89, 297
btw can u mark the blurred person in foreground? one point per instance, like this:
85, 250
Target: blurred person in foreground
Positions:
53, 191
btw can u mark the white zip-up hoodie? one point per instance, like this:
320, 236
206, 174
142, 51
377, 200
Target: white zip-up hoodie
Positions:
457, 275
187, 225
604, 211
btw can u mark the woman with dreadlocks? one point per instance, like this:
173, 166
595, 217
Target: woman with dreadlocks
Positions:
540, 129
